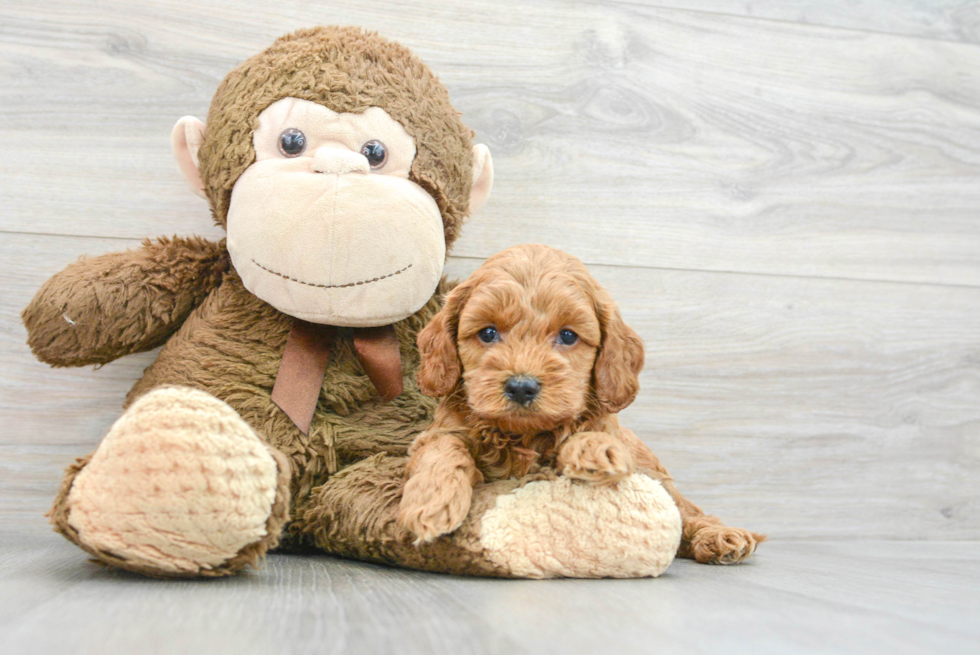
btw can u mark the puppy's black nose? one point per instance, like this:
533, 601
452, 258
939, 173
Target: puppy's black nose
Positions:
522, 389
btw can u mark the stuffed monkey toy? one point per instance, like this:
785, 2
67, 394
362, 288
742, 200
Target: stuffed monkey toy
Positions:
280, 409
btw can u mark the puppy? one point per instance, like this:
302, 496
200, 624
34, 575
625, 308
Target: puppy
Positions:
533, 360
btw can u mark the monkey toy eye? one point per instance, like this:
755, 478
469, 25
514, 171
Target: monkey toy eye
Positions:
376, 153
488, 334
566, 337
292, 142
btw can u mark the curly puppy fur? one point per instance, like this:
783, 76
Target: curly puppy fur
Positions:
530, 294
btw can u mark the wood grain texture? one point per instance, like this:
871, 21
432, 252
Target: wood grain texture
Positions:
951, 20
634, 135
789, 214
846, 597
805, 408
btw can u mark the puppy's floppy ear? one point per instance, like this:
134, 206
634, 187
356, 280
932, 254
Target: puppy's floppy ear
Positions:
617, 368
440, 368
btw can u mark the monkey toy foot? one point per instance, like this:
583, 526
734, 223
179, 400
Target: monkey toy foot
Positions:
180, 487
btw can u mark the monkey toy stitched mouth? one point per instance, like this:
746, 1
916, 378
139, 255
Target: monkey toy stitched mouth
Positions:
328, 203
332, 286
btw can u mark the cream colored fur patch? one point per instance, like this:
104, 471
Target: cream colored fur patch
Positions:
324, 237
568, 528
180, 483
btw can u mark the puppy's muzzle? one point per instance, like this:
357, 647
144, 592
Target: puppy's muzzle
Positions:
522, 389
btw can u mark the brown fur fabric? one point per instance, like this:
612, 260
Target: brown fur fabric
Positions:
337, 486
102, 308
348, 70
220, 338
231, 347
528, 297
356, 517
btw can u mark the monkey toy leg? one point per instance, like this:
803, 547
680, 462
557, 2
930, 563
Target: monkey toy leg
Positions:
180, 487
539, 526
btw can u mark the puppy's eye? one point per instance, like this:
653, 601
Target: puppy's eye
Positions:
292, 142
566, 337
488, 334
376, 153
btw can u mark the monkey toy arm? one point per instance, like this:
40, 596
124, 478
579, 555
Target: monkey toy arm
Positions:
101, 308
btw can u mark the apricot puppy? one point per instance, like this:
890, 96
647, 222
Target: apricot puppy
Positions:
533, 360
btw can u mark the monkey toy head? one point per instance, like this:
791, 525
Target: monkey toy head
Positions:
341, 173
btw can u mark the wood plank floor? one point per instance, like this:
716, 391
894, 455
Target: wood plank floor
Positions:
769, 398
819, 597
789, 214
784, 197
951, 20
712, 142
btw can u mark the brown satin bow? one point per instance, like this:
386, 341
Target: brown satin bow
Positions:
304, 363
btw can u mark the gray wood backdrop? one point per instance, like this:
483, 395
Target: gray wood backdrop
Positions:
784, 198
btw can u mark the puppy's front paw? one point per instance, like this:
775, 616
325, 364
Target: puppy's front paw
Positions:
595, 457
720, 544
429, 511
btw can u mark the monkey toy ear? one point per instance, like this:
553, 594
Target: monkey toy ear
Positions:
482, 178
186, 140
